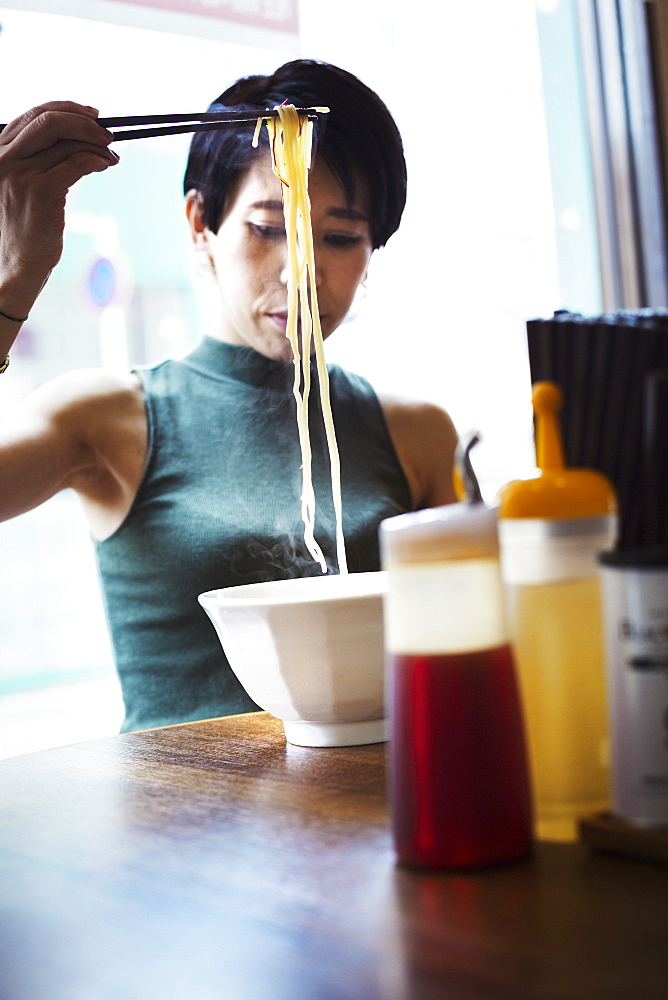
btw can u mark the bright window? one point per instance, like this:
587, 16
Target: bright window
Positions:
448, 299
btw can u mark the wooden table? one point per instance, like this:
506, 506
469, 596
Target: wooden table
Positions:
212, 861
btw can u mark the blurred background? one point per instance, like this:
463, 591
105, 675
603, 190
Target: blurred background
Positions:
533, 137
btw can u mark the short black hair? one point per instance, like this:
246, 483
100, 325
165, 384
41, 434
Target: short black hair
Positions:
359, 139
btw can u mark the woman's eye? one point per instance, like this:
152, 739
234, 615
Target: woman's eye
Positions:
343, 240
268, 232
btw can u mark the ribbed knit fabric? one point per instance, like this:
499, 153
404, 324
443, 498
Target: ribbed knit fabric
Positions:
218, 506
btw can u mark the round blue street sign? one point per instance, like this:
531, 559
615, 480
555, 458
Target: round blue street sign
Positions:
102, 283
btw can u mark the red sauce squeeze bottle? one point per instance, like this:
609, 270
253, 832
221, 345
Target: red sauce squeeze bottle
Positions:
459, 779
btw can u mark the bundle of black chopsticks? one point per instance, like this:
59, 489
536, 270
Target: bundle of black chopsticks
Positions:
147, 126
613, 372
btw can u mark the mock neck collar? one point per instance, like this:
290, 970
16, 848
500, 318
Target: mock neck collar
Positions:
235, 361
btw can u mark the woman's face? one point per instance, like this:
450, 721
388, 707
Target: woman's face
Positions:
249, 253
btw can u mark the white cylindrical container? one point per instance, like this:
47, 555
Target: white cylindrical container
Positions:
635, 594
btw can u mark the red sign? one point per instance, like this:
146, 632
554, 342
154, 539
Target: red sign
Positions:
277, 15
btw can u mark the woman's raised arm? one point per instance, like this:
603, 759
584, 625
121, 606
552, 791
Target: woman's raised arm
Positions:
84, 430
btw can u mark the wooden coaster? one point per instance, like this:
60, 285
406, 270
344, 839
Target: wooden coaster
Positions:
604, 832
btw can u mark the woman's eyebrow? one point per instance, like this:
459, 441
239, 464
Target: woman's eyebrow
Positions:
271, 205
268, 206
347, 213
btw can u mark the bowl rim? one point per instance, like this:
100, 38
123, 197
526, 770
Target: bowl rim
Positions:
247, 595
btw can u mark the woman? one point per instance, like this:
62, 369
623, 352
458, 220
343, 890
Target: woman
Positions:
188, 471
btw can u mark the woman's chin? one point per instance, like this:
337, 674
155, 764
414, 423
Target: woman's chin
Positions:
278, 349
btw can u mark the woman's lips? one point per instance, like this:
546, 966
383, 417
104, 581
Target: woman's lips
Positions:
281, 321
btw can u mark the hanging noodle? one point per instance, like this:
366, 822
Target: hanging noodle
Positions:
291, 140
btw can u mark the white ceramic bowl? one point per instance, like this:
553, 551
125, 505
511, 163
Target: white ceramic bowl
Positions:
309, 651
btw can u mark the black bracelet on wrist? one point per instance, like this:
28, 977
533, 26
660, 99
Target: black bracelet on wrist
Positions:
14, 319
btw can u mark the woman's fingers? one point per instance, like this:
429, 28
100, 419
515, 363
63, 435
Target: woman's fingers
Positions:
81, 157
79, 162
52, 146
54, 133
51, 136
69, 107
42, 154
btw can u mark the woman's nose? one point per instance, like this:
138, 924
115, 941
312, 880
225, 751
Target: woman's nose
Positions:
285, 271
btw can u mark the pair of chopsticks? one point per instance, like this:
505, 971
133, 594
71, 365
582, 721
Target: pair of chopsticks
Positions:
205, 122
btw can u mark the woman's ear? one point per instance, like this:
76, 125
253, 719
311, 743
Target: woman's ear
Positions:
194, 214
200, 233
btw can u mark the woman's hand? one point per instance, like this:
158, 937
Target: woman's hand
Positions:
42, 154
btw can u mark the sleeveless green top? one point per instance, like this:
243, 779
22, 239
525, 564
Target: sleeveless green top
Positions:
219, 505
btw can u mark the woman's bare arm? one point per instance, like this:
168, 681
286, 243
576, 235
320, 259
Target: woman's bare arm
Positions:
85, 430
53, 440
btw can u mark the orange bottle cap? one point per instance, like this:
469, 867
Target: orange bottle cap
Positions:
558, 492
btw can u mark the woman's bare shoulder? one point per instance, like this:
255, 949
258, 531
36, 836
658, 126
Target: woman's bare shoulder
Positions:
84, 389
425, 440
417, 412
85, 429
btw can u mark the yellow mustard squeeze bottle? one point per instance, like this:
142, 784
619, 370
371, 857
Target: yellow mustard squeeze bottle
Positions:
552, 529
